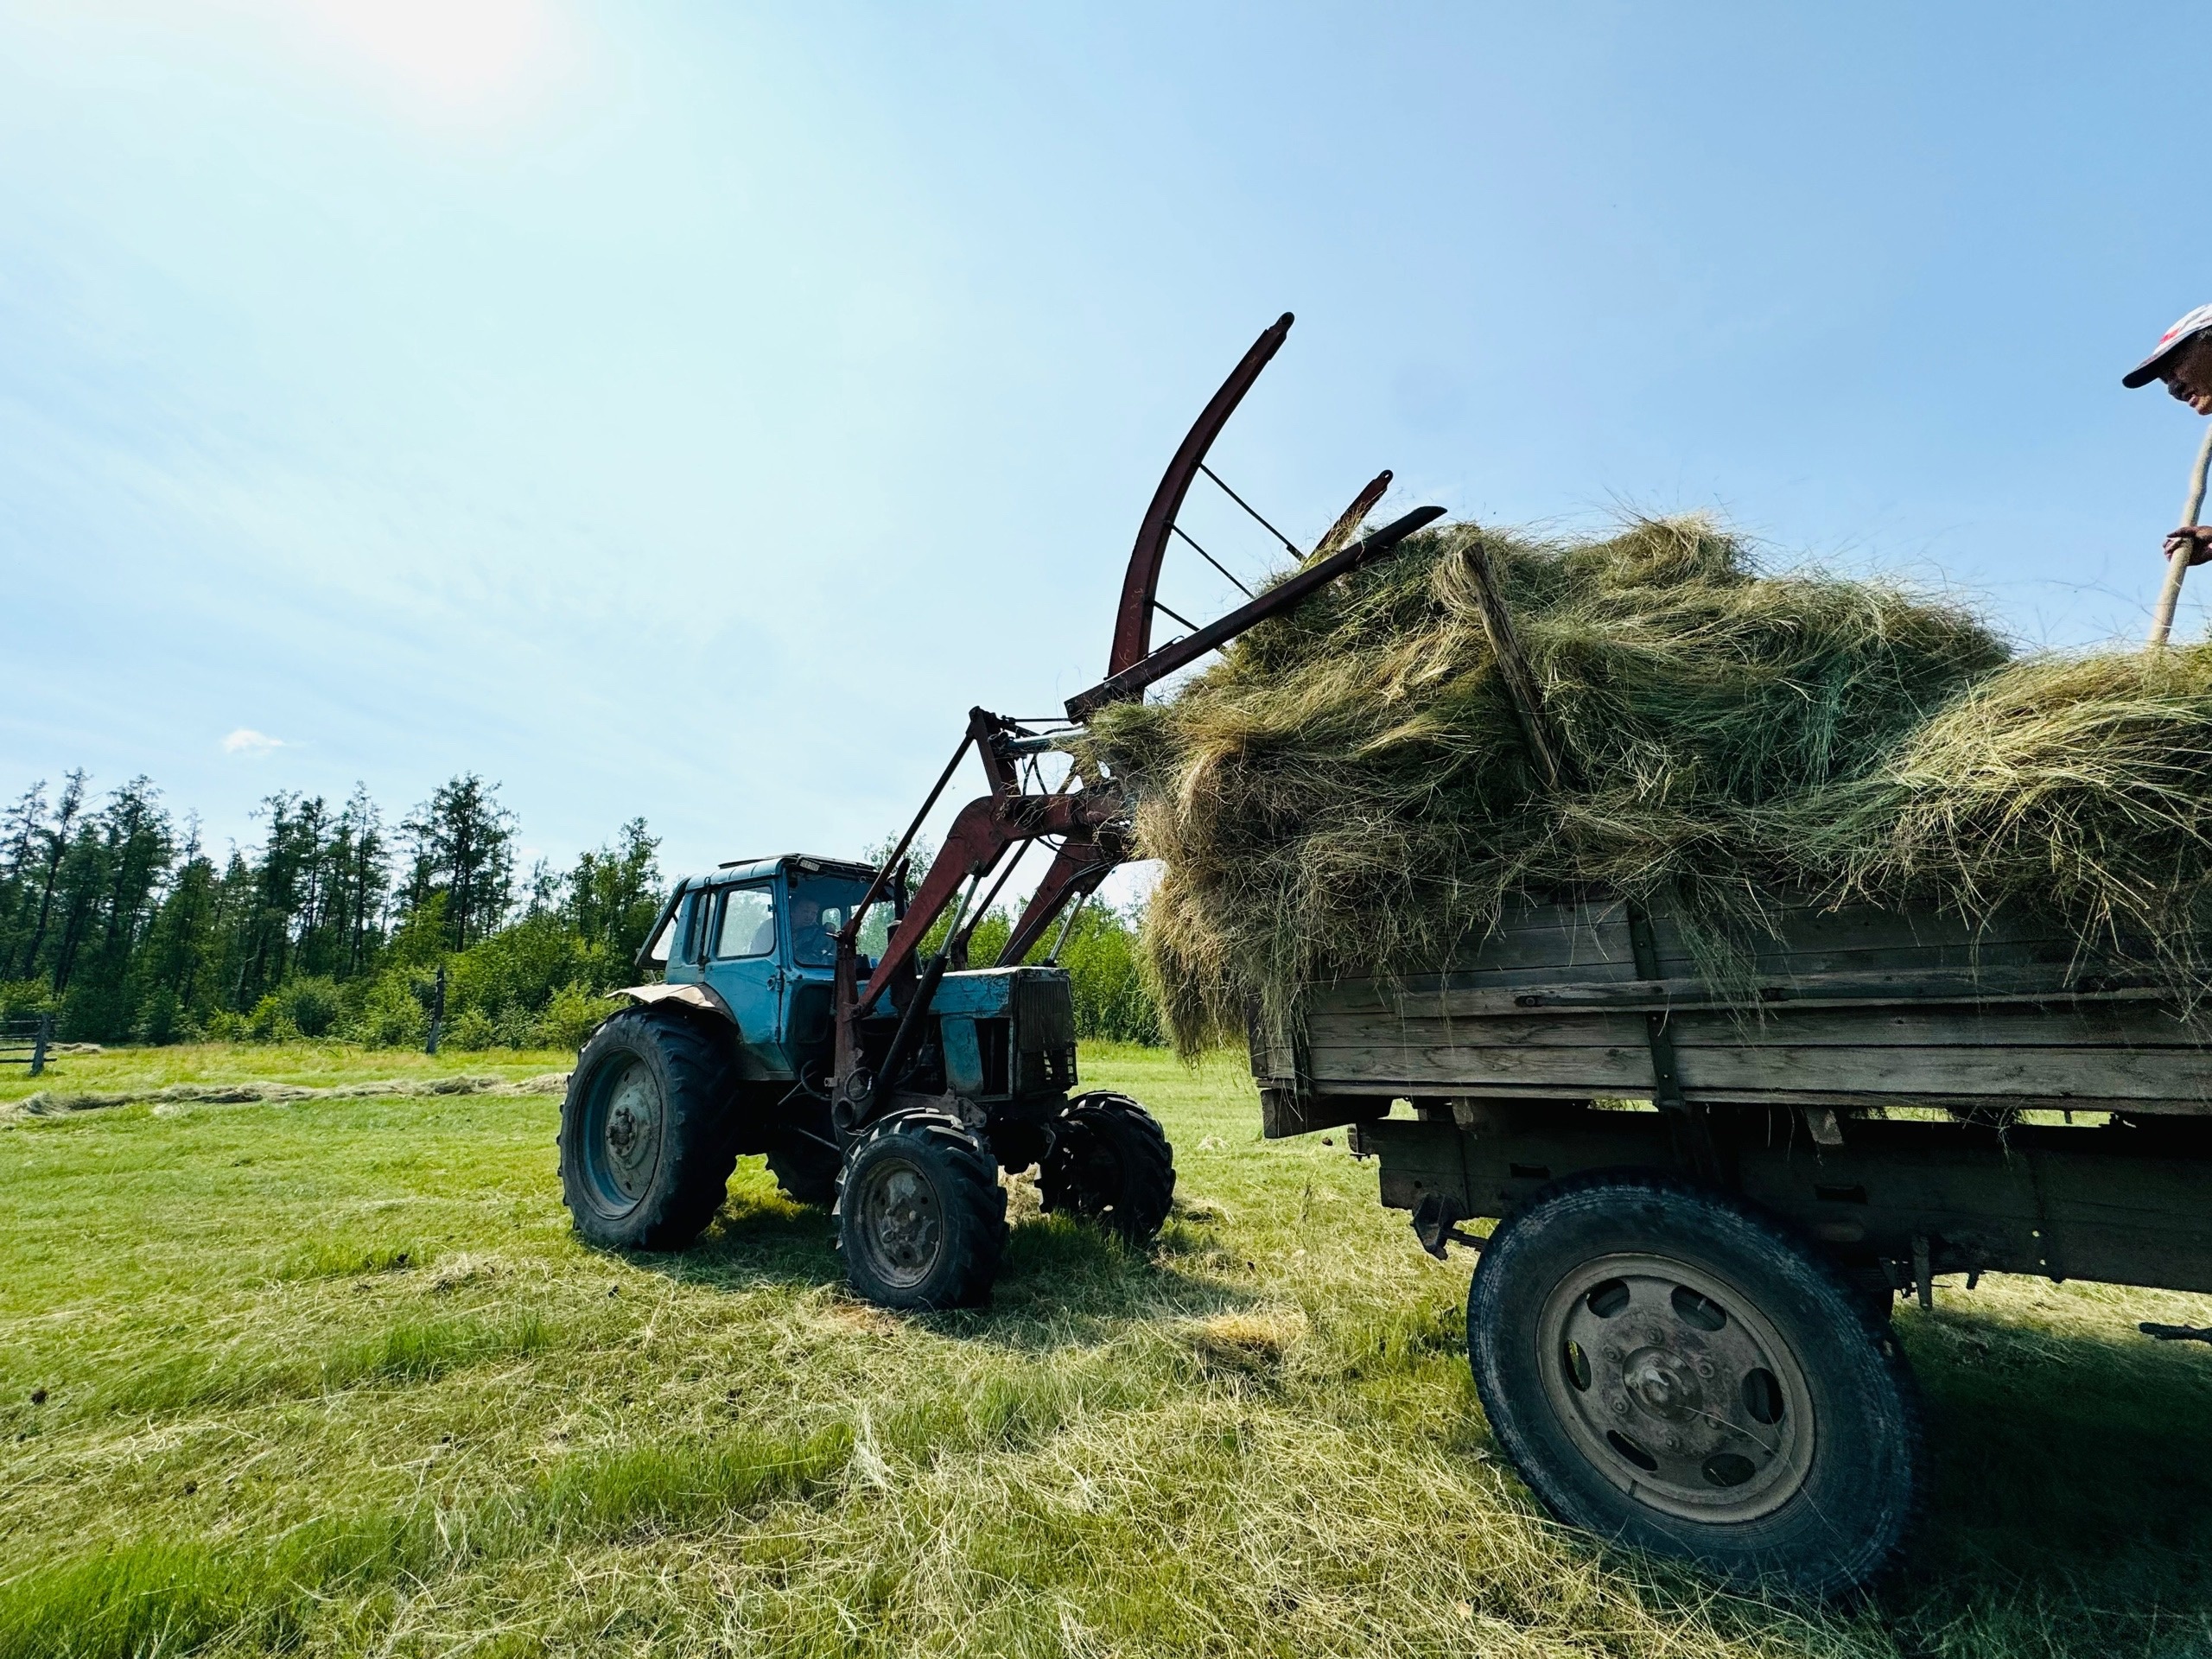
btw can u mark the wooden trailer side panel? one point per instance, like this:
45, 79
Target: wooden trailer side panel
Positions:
1849, 1008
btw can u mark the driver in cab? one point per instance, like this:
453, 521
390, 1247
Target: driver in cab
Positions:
814, 932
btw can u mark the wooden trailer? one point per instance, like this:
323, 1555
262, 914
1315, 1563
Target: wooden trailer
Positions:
1708, 1191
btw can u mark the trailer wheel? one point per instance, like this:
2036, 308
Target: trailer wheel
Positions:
1666, 1366
646, 1148
807, 1173
1110, 1162
921, 1217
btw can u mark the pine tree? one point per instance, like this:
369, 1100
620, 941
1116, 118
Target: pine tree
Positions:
464, 848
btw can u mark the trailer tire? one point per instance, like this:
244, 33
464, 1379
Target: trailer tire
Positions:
1110, 1162
645, 1145
807, 1173
921, 1217
1667, 1366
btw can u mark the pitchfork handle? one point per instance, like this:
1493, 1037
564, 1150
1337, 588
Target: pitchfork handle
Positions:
2161, 621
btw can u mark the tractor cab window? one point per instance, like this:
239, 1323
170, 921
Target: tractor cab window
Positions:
821, 905
747, 924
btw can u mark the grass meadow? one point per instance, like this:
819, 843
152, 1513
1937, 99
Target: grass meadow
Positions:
331, 1377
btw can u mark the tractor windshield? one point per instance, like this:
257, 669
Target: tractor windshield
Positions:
820, 907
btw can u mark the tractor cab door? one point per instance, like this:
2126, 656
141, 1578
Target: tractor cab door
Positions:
744, 967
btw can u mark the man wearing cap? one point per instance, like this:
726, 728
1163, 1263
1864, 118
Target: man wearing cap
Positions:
2184, 360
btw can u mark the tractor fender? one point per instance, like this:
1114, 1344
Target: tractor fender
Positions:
700, 997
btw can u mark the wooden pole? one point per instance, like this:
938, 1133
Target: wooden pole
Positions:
1513, 669
2161, 620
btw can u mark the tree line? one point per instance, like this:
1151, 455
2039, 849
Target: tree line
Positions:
118, 918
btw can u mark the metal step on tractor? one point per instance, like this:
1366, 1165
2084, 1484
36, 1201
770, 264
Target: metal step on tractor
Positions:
796, 1015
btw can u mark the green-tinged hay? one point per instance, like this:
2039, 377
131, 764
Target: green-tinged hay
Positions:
2080, 786
1351, 789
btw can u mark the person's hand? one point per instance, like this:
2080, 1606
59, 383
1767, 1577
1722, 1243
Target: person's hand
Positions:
2197, 538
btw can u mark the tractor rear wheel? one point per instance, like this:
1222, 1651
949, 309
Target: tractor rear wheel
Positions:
1111, 1163
921, 1217
1666, 1365
645, 1143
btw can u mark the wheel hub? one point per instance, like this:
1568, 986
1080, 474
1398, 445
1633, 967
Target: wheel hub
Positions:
903, 1223
1662, 1385
624, 1150
1675, 1388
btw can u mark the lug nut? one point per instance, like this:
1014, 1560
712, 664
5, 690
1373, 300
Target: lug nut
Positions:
1705, 1368
1613, 1352
1620, 1407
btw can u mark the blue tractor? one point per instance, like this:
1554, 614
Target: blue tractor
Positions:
735, 1052
799, 1014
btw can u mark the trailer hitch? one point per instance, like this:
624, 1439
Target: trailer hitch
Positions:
1436, 1223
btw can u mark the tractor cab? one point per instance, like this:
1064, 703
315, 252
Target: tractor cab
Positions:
760, 937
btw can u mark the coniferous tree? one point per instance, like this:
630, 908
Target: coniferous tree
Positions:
52, 843
464, 848
130, 931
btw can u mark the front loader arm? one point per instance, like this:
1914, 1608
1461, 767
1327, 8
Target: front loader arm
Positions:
980, 836
1075, 873
1090, 823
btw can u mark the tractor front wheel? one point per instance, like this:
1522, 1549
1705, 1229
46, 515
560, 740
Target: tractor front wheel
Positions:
1110, 1162
645, 1148
921, 1217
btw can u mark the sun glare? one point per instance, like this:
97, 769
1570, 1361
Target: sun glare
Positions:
458, 53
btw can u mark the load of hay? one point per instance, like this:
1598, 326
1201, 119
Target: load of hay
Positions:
1351, 789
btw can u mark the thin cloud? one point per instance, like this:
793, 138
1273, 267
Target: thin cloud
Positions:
247, 742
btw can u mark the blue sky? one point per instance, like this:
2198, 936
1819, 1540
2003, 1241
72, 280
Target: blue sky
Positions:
688, 411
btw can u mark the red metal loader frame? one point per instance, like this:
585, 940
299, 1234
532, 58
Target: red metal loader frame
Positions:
1088, 817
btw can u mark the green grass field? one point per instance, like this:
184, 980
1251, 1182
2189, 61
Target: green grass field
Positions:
331, 1377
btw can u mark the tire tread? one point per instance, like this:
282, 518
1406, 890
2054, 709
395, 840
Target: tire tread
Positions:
698, 1151
1148, 1164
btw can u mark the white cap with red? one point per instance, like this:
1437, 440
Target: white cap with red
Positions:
2169, 342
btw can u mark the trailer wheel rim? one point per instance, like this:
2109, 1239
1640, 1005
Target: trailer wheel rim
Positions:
901, 1221
1676, 1388
622, 1136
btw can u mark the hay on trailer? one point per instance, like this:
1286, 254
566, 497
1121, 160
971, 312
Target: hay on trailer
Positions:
1351, 789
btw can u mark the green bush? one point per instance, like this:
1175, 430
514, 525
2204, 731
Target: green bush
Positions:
1112, 998
470, 1029
314, 1005
572, 1016
22, 997
391, 1015
271, 1021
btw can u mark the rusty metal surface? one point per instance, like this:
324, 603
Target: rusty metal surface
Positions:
1349, 521
1076, 872
1130, 681
978, 838
1133, 620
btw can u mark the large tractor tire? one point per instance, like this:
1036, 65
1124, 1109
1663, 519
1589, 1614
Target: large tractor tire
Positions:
806, 1172
1111, 1164
1667, 1366
645, 1144
921, 1217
